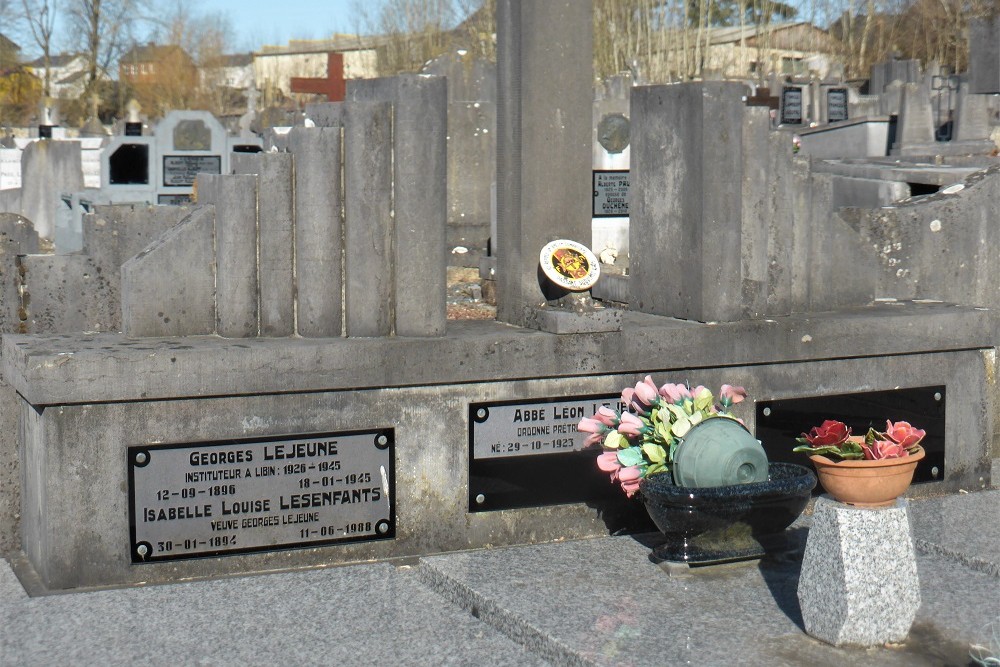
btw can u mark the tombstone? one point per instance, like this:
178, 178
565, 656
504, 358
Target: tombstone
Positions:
972, 122
208, 456
48, 168
915, 128
883, 74
791, 106
984, 56
471, 149
836, 105
93, 126
891, 100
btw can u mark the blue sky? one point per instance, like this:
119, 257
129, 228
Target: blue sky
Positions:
259, 22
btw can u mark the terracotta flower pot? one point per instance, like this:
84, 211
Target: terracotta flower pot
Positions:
867, 483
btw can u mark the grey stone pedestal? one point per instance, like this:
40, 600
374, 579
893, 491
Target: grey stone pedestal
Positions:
858, 585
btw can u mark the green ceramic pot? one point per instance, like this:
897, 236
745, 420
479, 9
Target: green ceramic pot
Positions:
719, 452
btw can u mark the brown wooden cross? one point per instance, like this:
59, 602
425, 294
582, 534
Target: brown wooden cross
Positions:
332, 86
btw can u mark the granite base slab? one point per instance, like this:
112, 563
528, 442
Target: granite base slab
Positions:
368, 615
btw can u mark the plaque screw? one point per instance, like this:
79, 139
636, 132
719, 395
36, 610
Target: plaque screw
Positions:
937, 395
480, 499
142, 550
766, 412
383, 527
382, 440
141, 458
934, 472
481, 413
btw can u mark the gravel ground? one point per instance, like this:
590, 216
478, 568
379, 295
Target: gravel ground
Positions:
465, 301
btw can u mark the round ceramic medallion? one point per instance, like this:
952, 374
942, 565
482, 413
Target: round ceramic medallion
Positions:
570, 265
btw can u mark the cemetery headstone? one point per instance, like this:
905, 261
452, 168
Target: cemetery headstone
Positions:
836, 105
791, 106
984, 56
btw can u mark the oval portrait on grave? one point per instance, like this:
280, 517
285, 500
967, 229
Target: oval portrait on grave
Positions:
570, 265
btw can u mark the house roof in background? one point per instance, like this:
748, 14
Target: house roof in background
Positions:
151, 53
230, 60
338, 42
7, 43
60, 60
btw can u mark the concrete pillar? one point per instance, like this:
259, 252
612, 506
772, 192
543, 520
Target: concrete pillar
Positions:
318, 230
545, 97
972, 116
984, 56
368, 268
236, 256
419, 194
688, 234
275, 238
916, 123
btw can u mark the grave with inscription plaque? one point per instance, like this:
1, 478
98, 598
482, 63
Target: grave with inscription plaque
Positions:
792, 110
287, 392
158, 168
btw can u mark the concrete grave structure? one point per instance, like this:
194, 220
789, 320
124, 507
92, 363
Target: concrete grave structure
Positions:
984, 56
764, 285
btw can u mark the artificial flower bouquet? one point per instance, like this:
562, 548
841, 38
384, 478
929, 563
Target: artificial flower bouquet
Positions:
643, 439
833, 439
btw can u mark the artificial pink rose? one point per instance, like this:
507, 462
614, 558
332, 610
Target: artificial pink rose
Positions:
884, 449
829, 433
591, 425
628, 393
607, 416
645, 391
674, 393
732, 394
630, 425
608, 462
629, 478
903, 434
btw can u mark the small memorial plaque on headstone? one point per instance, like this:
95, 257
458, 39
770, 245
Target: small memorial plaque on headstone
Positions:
529, 454
181, 170
791, 106
173, 200
264, 494
836, 105
611, 193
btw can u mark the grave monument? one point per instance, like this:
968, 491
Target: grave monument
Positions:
208, 438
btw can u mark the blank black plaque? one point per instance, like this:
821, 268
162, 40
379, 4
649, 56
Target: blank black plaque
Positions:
780, 422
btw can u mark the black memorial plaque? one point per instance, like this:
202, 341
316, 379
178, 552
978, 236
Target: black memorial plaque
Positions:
611, 193
262, 494
181, 170
173, 200
780, 422
530, 454
791, 106
836, 105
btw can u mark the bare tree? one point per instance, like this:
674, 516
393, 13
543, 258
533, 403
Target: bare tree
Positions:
40, 17
104, 28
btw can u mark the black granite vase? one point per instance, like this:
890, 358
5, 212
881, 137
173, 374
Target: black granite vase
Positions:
725, 523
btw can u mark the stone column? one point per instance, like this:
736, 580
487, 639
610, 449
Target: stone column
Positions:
699, 231
419, 197
275, 234
368, 288
859, 585
545, 95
